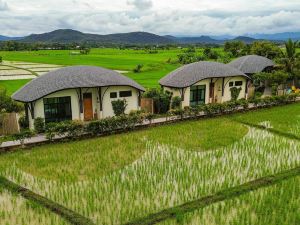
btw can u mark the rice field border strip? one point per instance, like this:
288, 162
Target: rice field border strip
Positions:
271, 130
69, 215
218, 197
19, 68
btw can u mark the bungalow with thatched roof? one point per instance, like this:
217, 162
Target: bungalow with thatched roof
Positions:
77, 93
251, 64
205, 82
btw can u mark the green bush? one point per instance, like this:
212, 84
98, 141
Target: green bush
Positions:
138, 68
22, 136
161, 99
23, 122
7, 104
119, 106
235, 92
39, 125
176, 102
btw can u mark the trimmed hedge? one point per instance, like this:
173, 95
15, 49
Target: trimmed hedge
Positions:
232, 106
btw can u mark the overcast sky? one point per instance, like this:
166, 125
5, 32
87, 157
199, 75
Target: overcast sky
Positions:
176, 17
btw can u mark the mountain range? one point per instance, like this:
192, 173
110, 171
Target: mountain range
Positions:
70, 36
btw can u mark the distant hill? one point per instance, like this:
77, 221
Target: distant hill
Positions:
69, 36
278, 36
245, 39
194, 40
5, 38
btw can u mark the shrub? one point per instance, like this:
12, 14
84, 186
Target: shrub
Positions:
39, 125
176, 102
7, 104
50, 131
161, 99
138, 68
119, 106
23, 122
71, 128
235, 92
22, 136
149, 117
0, 59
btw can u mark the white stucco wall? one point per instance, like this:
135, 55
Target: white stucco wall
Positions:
217, 90
132, 102
76, 115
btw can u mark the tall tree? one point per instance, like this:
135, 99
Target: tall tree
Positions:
291, 59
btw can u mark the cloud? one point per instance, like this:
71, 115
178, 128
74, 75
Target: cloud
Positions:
141, 4
3, 5
196, 18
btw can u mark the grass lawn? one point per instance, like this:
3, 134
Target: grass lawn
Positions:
111, 153
12, 85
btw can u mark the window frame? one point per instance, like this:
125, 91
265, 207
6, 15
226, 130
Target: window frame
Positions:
126, 96
55, 109
114, 93
199, 91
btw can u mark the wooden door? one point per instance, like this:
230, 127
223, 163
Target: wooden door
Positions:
87, 106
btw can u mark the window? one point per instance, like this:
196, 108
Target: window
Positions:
57, 109
113, 94
231, 84
238, 83
197, 95
125, 93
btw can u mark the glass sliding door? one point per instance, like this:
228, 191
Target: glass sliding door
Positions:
57, 109
197, 95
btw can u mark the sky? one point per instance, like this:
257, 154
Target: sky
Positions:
174, 17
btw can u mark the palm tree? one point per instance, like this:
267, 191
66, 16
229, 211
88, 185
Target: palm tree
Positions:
291, 59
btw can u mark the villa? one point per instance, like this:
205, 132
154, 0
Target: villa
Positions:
205, 82
77, 93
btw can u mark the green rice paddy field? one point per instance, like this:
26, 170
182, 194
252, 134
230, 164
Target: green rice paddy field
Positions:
119, 178
155, 66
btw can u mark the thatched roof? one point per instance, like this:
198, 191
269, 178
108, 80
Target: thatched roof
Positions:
251, 64
190, 74
72, 77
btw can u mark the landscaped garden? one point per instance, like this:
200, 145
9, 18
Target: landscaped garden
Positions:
123, 177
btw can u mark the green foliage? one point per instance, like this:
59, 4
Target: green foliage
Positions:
108, 125
23, 122
176, 102
1, 59
161, 99
22, 136
266, 49
138, 68
235, 92
234, 47
291, 59
85, 51
119, 106
7, 104
39, 125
